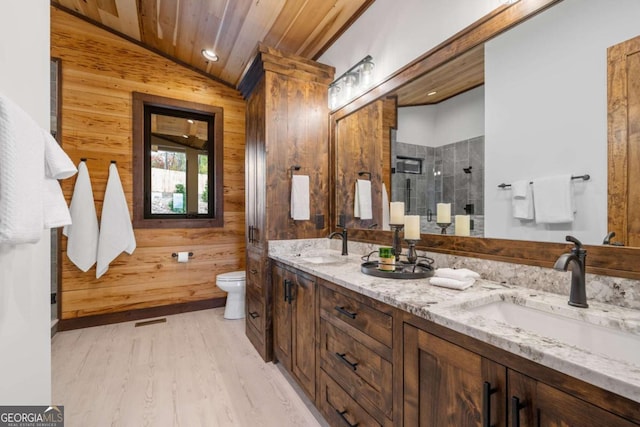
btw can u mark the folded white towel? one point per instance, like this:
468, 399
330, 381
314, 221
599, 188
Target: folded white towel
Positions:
116, 231
385, 208
362, 200
82, 234
300, 198
522, 200
456, 273
553, 199
446, 282
21, 175
58, 165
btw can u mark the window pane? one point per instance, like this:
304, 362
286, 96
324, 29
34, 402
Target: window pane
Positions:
203, 184
168, 182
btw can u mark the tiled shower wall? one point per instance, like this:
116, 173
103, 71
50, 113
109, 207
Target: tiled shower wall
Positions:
443, 179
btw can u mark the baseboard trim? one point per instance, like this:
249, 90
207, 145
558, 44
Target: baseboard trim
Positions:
143, 313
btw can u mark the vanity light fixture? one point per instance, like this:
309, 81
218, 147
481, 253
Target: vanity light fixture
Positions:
352, 83
210, 55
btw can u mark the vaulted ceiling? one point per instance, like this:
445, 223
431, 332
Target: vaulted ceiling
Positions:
181, 29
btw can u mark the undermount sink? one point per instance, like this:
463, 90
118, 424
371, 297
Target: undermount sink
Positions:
615, 343
323, 259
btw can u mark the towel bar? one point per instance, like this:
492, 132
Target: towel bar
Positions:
175, 255
585, 177
365, 173
294, 168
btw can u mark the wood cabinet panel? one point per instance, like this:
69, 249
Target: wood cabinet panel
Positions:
282, 284
255, 313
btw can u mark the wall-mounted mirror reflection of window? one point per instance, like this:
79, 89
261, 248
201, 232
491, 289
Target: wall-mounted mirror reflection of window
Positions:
178, 163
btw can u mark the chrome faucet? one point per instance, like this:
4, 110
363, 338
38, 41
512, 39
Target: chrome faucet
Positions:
577, 257
343, 235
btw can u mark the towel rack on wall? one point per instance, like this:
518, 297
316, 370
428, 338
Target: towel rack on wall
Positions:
361, 173
584, 177
294, 168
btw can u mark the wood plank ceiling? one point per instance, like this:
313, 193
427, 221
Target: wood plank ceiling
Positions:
181, 29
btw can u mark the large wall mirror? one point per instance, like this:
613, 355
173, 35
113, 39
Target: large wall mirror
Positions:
178, 163
528, 102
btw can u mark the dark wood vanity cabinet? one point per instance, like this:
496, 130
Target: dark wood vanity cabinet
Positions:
356, 359
287, 132
446, 384
294, 324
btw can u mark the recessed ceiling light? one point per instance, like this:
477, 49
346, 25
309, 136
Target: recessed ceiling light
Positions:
210, 55
190, 121
185, 136
432, 93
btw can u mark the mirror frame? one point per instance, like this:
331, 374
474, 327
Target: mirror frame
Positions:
140, 100
604, 260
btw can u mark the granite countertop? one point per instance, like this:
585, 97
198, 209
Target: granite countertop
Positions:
455, 309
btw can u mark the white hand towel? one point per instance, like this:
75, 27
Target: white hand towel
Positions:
385, 208
553, 199
21, 175
362, 200
300, 198
456, 273
116, 231
522, 200
446, 282
82, 234
57, 166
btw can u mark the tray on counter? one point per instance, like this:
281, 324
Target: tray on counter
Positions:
403, 270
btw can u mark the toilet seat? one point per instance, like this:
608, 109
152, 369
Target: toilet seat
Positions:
232, 276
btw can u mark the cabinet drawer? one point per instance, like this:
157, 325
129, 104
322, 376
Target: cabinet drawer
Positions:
359, 315
364, 373
339, 408
255, 276
255, 313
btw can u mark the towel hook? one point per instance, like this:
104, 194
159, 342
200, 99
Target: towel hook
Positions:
294, 168
361, 173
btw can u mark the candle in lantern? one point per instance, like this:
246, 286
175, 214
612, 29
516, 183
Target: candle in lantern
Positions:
396, 213
463, 225
412, 227
443, 213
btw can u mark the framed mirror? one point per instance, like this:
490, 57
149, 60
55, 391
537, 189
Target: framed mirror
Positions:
562, 126
177, 163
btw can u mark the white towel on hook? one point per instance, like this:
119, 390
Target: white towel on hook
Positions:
21, 175
362, 200
58, 165
522, 200
553, 199
385, 208
83, 233
116, 231
300, 198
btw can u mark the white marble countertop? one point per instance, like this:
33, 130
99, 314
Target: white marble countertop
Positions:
453, 309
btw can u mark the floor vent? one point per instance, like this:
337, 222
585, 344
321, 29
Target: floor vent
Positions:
151, 322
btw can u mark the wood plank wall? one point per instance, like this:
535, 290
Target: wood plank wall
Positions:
99, 73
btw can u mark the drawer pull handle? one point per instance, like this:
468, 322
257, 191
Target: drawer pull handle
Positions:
253, 271
345, 312
342, 357
487, 391
346, 421
254, 314
515, 411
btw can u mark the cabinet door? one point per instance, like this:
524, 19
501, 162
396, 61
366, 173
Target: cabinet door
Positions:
444, 384
533, 403
282, 287
254, 168
304, 333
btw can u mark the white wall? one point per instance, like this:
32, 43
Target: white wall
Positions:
395, 32
546, 111
453, 120
25, 316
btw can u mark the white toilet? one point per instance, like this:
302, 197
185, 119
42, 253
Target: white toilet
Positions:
234, 283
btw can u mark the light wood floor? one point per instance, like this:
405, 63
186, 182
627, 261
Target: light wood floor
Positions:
197, 369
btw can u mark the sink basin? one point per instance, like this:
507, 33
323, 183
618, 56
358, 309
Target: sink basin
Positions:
323, 259
617, 344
